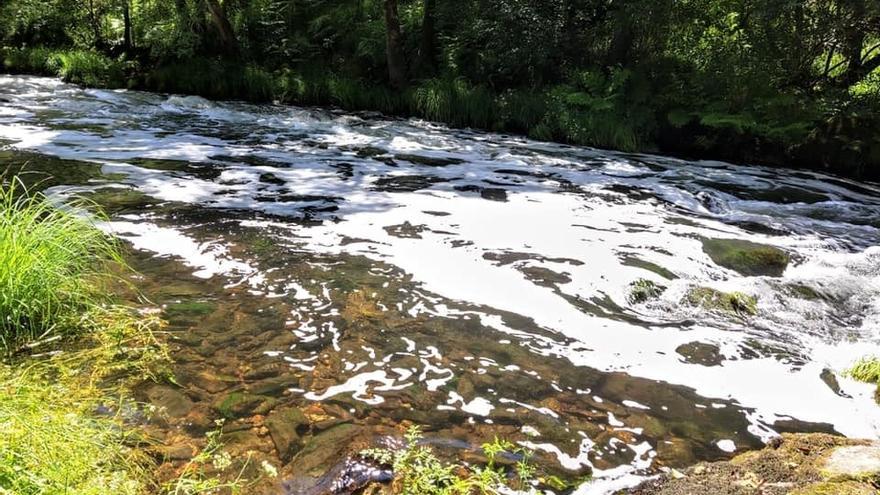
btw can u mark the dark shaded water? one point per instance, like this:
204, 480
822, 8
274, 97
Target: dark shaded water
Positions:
329, 279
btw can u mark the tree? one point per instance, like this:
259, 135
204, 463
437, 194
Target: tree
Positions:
228, 40
393, 46
428, 47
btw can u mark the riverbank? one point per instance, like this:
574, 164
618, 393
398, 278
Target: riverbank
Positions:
794, 464
831, 134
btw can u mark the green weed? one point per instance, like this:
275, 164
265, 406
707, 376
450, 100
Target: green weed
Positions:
418, 471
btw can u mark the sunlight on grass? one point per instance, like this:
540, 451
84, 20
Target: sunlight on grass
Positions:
53, 264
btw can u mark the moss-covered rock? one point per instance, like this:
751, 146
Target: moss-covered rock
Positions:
238, 404
643, 290
736, 303
747, 258
792, 464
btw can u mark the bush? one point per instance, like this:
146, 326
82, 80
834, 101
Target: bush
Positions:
90, 69
213, 78
40, 60
53, 264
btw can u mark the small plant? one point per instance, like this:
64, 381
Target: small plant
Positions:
202, 473
418, 471
867, 370
642, 290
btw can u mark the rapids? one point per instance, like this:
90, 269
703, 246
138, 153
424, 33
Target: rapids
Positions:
473, 282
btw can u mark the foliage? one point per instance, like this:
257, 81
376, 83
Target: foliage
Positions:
765, 81
642, 290
418, 471
53, 443
203, 473
63, 417
866, 369
53, 266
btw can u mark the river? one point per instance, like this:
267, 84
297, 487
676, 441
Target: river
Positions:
373, 272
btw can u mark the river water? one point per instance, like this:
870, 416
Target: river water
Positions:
374, 272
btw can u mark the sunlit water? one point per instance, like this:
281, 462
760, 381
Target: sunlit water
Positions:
473, 283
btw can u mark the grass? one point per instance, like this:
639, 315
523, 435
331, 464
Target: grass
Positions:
54, 440
642, 290
867, 370
418, 471
82, 67
66, 414
53, 267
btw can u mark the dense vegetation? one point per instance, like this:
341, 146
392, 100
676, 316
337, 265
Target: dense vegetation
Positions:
771, 81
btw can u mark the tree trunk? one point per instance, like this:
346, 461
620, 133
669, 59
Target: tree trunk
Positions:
95, 21
126, 19
622, 39
428, 49
393, 47
854, 43
224, 27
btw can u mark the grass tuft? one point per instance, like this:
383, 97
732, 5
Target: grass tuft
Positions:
866, 369
53, 266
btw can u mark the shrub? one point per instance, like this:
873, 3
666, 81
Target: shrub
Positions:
53, 263
39, 60
90, 69
214, 78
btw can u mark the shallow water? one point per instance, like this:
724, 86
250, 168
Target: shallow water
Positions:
373, 272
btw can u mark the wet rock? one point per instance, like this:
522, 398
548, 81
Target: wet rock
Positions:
700, 353
746, 257
286, 427
405, 183
490, 193
238, 404
268, 178
647, 265
544, 276
324, 450
429, 161
406, 230
174, 402
794, 464
729, 302
176, 452
854, 463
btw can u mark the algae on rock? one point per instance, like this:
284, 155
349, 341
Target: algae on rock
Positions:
747, 258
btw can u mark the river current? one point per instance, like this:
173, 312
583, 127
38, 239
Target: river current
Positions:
373, 271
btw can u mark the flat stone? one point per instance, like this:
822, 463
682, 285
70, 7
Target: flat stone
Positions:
859, 462
285, 427
175, 402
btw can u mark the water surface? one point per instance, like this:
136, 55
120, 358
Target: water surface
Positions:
374, 272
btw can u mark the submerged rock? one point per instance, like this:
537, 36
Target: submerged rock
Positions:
286, 427
747, 258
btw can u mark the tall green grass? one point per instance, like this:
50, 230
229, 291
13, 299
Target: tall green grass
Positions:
74, 66
53, 263
90, 69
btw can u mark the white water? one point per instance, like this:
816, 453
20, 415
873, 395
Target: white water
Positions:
565, 207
